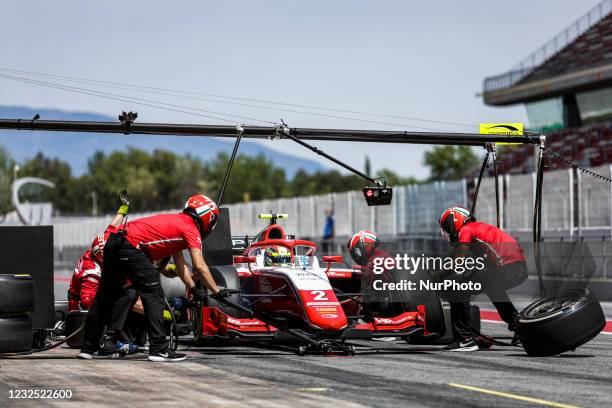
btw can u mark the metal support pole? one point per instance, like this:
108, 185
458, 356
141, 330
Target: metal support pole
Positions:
537, 218
228, 171
286, 131
266, 132
496, 187
570, 176
482, 169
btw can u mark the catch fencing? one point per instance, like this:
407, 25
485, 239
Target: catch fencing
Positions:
574, 205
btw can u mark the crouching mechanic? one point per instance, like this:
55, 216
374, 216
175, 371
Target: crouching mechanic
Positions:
504, 268
364, 247
133, 250
84, 283
127, 324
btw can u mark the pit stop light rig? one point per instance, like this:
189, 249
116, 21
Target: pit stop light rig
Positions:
378, 195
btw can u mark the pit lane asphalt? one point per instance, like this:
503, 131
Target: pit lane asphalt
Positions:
391, 374
382, 374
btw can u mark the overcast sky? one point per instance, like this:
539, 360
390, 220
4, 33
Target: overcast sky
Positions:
421, 59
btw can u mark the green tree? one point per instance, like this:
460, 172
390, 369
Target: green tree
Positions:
393, 179
161, 180
450, 162
323, 182
256, 176
6, 176
57, 171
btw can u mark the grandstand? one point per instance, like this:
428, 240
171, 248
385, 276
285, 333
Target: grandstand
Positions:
566, 87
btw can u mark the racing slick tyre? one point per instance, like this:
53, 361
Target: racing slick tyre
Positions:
388, 303
226, 277
435, 323
560, 323
74, 321
16, 333
16, 294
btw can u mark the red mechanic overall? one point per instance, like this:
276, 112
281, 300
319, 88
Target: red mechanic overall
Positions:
504, 268
84, 283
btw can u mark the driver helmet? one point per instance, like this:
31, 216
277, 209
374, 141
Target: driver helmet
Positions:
362, 245
453, 219
277, 256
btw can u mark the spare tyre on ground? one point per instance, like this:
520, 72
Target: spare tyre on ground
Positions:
560, 323
16, 294
15, 333
16, 306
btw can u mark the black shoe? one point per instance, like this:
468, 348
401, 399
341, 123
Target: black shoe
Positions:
168, 355
107, 349
86, 354
516, 341
484, 343
466, 344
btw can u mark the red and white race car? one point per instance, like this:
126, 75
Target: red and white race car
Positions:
319, 306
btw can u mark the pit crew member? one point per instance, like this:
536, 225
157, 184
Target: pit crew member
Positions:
86, 280
87, 272
504, 268
364, 247
134, 250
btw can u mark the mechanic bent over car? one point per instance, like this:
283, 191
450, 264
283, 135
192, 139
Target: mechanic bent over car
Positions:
87, 272
86, 283
127, 310
504, 268
134, 249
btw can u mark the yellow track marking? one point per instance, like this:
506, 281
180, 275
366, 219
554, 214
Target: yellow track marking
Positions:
513, 396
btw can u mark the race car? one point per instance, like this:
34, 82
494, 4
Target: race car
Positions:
320, 307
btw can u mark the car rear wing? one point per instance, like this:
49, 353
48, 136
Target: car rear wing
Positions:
240, 243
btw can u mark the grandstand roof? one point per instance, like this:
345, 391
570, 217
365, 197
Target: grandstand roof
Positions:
577, 59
